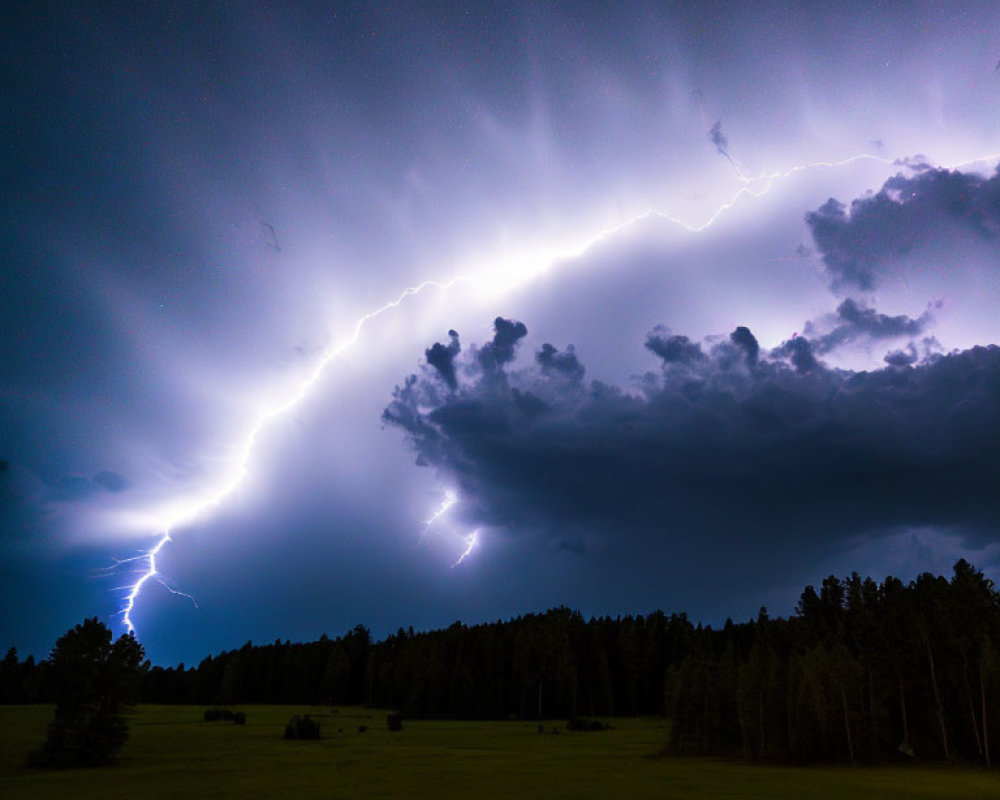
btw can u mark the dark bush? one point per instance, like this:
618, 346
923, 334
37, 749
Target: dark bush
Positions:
215, 714
394, 721
362, 728
581, 724
303, 727
541, 728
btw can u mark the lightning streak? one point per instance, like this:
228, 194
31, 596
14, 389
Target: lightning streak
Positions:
199, 506
503, 276
470, 544
450, 499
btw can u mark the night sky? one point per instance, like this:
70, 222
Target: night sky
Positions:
712, 310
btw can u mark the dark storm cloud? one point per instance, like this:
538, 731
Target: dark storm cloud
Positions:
674, 348
868, 322
747, 342
854, 321
902, 358
777, 449
442, 358
552, 362
500, 351
799, 352
859, 244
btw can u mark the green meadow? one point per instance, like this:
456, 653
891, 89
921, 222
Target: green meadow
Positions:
172, 753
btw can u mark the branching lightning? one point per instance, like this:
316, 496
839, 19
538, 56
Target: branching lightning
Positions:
501, 277
199, 506
471, 540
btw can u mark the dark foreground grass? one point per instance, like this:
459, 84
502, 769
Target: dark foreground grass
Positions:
172, 753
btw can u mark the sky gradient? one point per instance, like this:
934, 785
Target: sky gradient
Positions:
722, 280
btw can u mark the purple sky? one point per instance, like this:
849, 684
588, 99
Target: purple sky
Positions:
205, 201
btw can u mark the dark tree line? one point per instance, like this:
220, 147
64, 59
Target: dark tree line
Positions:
862, 671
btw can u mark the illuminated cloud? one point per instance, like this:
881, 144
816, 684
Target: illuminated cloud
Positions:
861, 244
853, 322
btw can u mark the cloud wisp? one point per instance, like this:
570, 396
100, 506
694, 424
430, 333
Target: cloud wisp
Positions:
853, 322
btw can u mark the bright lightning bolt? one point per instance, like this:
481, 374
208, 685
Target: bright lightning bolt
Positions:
503, 277
471, 540
151, 572
470, 544
450, 499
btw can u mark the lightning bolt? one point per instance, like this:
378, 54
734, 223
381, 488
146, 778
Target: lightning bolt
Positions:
196, 508
503, 276
450, 499
471, 540
470, 544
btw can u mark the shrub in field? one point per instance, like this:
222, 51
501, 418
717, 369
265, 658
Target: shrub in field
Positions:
362, 728
394, 721
216, 714
303, 727
581, 724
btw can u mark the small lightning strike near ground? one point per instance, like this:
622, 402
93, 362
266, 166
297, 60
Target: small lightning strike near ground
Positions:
502, 276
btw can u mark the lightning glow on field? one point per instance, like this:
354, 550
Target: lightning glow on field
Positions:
502, 276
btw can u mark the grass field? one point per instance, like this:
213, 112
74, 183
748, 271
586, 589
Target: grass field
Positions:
172, 753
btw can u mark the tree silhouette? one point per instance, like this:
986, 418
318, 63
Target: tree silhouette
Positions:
95, 681
864, 671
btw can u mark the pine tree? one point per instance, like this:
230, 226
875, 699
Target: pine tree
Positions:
95, 681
